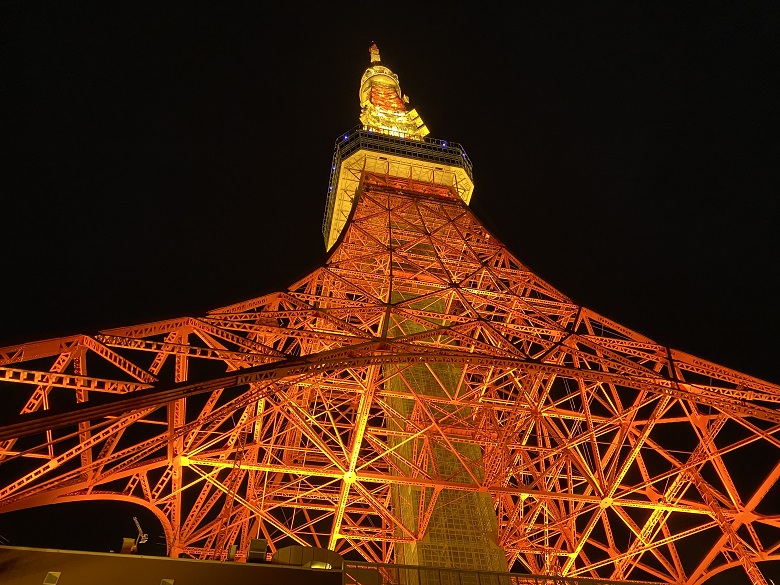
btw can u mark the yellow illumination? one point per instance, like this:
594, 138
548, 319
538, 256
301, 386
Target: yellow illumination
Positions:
383, 105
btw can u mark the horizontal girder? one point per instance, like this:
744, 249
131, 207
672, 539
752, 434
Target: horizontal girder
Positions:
421, 357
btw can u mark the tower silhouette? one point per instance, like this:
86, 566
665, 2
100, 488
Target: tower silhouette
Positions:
422, 398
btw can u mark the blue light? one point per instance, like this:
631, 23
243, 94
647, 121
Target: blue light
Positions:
444, 144
345, 137
330, 188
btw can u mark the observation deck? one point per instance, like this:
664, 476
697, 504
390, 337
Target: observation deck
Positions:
423, 160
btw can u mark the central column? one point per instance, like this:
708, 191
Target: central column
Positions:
457, 529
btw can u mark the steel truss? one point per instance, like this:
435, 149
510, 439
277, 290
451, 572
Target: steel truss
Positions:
293, 415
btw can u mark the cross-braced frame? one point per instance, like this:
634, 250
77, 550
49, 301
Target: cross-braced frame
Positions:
314, 415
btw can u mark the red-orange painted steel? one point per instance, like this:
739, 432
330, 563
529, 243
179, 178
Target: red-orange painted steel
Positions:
606, 454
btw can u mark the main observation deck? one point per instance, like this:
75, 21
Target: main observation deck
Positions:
424, 160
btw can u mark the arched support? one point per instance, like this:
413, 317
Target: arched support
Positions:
735, 564
166, 525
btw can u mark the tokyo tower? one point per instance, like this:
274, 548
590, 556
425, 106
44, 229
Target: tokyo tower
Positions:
422, 398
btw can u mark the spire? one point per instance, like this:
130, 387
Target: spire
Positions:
374, 50
383, 107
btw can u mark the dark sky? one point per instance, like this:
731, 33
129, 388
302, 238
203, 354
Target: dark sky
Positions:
166, 160
169, 160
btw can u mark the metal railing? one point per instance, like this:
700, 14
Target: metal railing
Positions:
432, 150
359, 573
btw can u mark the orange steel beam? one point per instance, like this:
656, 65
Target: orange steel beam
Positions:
145, 395
578, 421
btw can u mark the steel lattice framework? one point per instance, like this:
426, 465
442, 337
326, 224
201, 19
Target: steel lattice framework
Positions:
295, 414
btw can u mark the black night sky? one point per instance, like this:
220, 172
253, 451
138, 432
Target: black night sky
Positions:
163, 159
